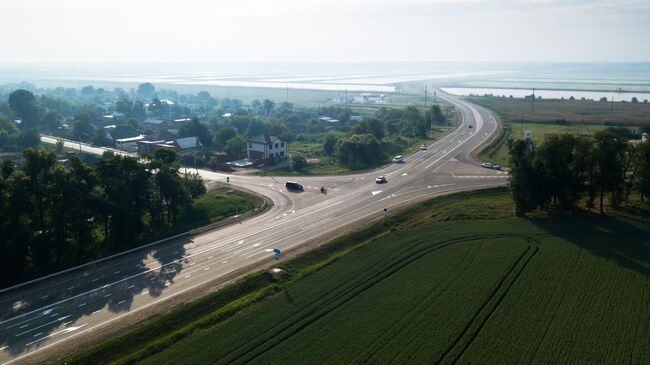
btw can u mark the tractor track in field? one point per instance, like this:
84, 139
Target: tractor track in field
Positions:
466, 337
319, 308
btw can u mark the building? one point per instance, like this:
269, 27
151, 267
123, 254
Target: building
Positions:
266, 146
179, 145
125, 139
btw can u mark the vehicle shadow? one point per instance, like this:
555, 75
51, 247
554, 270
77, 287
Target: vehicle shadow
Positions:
48, 313
624, 240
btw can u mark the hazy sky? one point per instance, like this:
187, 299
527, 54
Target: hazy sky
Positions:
323, 30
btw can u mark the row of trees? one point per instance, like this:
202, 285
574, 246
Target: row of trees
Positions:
54, 215
567, 170
365, 145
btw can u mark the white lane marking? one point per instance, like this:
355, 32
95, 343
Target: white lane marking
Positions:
44, 325
66, 330
242, 241
210, 258
121, 302
81, 305
44, 296
38, 334
131, 287
223, 262
158, 267
117, 272
207, 268
167, 283
70, 288
376, 192
107, 295
97, 311
405, 174
188, 276
257, 244
23, 326
144, 292
4, 348
95, 279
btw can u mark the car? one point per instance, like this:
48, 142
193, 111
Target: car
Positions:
496, 167
423, 147
381, 179
487, 165
398, 159
470, 126
292, 185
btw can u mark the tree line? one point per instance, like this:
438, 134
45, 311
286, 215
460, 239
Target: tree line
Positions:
367, 142
55, 215
567, 170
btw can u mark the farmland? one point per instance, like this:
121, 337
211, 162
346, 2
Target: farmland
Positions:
451, 279
571, 111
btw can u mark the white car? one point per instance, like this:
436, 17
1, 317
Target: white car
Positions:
423, 147
487, 165
398, 159
381, 179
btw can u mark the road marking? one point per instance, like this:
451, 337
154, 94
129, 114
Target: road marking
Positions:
121, 302
223, 262
405, 174
117, 272
207, 268
188, 276
144, 292
43, 325
210, 258
242, 241
70, 288
81, 305
67, 330
131, 287
44, 296
167, 283
23, 326
107, 295
376, 192
38, 334
97, 311
95, 279
4, 348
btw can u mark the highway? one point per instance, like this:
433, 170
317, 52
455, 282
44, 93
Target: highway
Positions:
62, 312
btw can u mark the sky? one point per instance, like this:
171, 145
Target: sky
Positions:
77, 31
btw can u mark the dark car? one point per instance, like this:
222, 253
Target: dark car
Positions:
292, 185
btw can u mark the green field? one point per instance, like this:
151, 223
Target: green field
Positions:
576, 112
455, 279
497, 152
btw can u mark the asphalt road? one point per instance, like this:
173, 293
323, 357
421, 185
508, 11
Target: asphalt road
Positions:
44, 316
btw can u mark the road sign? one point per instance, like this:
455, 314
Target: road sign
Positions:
276, 251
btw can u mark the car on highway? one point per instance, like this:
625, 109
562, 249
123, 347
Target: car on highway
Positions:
398, 159
423, 147
487, 165
470, 126
381, 179
496, 167
292, 185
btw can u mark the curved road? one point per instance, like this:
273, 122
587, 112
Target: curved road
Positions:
45, 316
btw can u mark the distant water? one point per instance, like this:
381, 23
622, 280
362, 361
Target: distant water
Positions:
548, 94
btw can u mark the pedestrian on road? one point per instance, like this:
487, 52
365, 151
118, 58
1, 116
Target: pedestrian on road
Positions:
385, 212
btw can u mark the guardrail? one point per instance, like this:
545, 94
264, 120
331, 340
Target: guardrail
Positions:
230, 220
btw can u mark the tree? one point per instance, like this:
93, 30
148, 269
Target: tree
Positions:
51, 121
146, 90
29, 138
376, 128
235, 146
82, 128
642, 171
523, 179
165, 155
328, 144
224, 134
194, 128
9, 133
22, 103
299, 162
267, 106
359, 151
609, 154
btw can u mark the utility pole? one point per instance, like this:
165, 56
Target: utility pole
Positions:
532, 107
425, 98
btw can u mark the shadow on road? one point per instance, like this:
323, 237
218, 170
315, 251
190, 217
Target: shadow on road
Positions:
26, 321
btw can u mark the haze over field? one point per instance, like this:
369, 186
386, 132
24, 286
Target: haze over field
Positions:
43, 31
